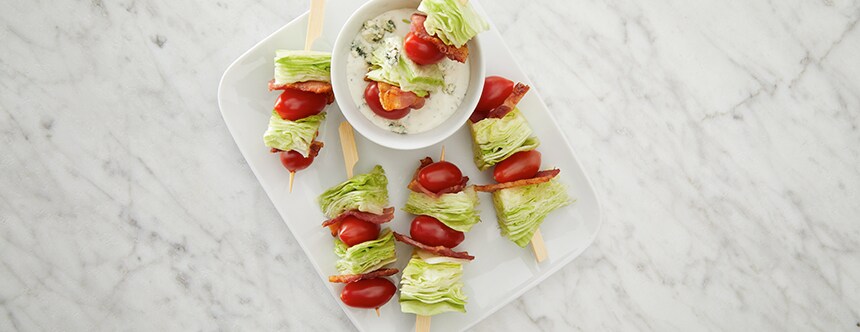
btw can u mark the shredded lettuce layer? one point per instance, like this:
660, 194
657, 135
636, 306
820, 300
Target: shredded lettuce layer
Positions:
521, 210
364, 192
458, 211
302, 66
454, 22
390, 65
430, 289
289, 135
494, 140
366, 256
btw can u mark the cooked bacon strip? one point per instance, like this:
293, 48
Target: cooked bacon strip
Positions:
315, 148
459, 54
393, 98
386, 216
510, 102
348, 278
540, 177
438, 250
416, 186
309, 86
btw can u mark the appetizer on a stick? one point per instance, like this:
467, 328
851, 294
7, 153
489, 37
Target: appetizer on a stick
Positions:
446, 208
356, 208
304, 77
524, 195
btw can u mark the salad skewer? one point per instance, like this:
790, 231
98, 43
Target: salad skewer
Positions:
502, 139
446, 208
355, 209
315, 19
304, 77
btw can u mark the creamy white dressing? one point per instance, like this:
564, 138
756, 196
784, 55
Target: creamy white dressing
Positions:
442, 102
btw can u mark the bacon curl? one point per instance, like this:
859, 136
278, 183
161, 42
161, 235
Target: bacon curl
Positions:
510, 102
416, 186
540, 177
393, 98
334, 223
309, 86
348, 278
438, 250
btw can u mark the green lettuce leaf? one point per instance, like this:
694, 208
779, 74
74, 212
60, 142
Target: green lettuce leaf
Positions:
521, 210
302, 66
366, 256
389, 65
289, 135
458, 211
430, 289
452, 21
364, 192
494, 140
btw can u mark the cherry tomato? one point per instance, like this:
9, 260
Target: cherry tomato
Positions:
294, 161
432, 232
421, 51
496, 90
295, 104
354, 231
439, 175
520, 165
368, 293
371, 96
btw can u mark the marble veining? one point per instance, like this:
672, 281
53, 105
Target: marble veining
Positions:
722, 137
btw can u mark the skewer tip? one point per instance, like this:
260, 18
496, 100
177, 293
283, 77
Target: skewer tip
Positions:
442, 156
377, 312
292, 177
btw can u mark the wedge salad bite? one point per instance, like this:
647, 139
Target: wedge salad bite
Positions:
502, 138
355, 210
446, 208
402, 61
304, 77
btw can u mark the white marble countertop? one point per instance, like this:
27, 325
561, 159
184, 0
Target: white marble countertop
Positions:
722, 137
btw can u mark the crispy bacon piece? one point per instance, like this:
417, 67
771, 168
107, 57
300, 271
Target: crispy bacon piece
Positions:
416, 186
315, 148
510, 102
438, 250
334, 224
348, 278
540, 177
393, 98
309, 86
459, 54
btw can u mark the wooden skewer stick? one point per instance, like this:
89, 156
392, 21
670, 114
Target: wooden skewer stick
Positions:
442, 157
347, 144
422, 323
315, 19
292, 176
377, 312
539, 247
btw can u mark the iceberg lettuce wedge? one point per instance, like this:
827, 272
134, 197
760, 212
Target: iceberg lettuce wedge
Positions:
366, 256
364, 192
302, 66
430, 289
390, 65
521, 210
494, 140
289, 135
458, 211
455, 22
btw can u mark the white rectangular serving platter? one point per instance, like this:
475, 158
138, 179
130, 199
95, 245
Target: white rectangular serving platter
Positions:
501, 271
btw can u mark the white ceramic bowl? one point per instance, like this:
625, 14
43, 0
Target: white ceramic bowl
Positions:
362, 124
